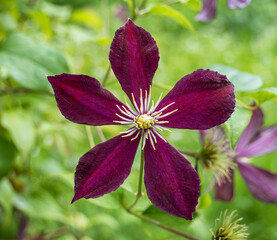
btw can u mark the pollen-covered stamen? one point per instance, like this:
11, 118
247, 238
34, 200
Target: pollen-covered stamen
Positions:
155, 131
160, 111
162, 128
167, 114
128, 116
144, 121
130, 132
136, 136
151, 140
125, 112
128, 106
141, 102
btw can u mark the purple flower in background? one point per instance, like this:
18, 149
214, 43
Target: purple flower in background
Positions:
200, 100
208, 12
254, 141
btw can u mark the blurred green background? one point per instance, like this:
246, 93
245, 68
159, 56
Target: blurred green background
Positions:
39, 148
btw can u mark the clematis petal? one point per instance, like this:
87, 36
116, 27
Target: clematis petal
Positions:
105, 167
172, 184
261, 183
134, 58
251, 130
82, 99
208, 11
232, 4
203, 99
225, 191
264, 142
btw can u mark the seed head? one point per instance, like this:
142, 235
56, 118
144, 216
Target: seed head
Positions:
228, 228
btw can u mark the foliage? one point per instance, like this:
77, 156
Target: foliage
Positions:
39, 149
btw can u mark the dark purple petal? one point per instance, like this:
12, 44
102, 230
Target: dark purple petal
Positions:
261, 183
105, 167
172, 184
208, 11
203, 98
134, 58
238, 3
264, 142
82, 99
251, 130
225, 191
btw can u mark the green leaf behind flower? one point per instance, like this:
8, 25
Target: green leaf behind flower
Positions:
243, 81
28, 63
164, 10
263, 95
237, 123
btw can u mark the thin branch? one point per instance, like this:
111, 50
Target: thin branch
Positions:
210, 187
191, 154
90, 137
246, 106
139, 193
142, 4
163, 86
160, 225
100, 134
172, 2
133, 10
106, 75
9, 90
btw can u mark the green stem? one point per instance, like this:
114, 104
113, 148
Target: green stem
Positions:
191, 154
134, 14
9, 90
246, 106
106, 75
171, 2
142, 4
196, 164
90, 137
210, 187
100, 134
139, 193
160, 225
164, 86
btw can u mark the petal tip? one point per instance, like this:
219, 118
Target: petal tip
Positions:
75, 198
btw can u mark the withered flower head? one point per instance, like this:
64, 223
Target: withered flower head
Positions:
216, 154
227, 227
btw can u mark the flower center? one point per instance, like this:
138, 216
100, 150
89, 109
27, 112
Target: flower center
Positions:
144, 121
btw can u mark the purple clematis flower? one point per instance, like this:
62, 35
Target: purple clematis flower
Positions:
200, 100
254, 141
208, 12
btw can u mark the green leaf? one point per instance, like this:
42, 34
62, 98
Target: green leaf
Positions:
205, 201
157, 214
6, 199
263, 95
43, 20
29, 63
20, 125
109, 201
243, 81
237, 123
87, 17
40, 205
193, 4
164, 10
7, 155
